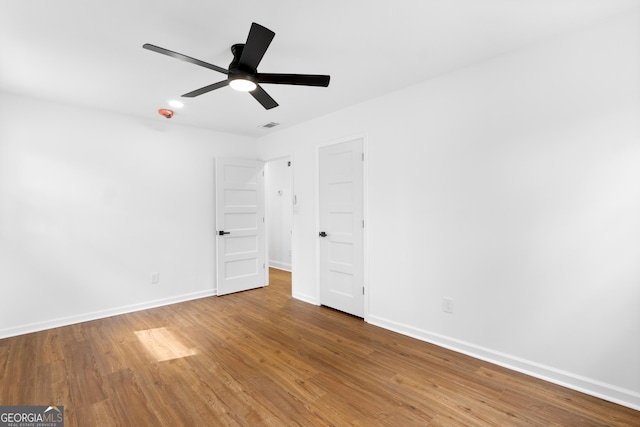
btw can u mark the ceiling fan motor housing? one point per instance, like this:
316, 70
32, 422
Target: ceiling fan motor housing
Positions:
237, 70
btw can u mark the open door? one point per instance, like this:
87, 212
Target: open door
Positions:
240, 228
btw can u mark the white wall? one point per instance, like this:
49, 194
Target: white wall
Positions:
278, 180
513, 187
91, 203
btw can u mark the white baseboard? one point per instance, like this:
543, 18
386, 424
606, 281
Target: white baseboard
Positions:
579, 383
306, 298
101, 314
280, 265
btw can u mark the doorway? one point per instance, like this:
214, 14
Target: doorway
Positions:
279, 209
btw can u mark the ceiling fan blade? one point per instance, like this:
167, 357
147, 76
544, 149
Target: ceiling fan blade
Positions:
206, 89
263, 98
184, 58
257, 44
294, 79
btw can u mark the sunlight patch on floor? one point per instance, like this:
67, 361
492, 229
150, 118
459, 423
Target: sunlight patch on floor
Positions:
163, 345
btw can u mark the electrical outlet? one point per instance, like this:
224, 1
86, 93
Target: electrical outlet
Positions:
447, 305
155, 278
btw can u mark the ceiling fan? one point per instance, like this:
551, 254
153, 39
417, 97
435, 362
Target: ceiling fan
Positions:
243, 72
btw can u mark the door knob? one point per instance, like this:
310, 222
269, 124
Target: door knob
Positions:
322, 234
222, 233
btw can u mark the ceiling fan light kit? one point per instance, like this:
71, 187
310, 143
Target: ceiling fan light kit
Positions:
242, 74
242, 84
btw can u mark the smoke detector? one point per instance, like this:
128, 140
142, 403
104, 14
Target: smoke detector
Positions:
164, 112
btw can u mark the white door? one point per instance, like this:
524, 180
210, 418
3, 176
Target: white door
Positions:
341, 234
240, 235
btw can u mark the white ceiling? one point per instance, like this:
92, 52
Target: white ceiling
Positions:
89, 53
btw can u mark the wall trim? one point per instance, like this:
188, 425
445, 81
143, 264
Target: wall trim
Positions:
101, 314
280, 265
305, 298
570, 380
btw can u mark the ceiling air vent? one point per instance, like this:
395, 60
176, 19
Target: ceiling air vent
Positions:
270, 125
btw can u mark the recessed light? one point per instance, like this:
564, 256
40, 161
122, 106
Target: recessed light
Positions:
176, 104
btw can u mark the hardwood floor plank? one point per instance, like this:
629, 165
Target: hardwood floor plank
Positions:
83, 378
126, 394
367, 404
50, 387
99, 414
262, 358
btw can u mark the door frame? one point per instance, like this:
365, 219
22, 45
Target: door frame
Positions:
365, 214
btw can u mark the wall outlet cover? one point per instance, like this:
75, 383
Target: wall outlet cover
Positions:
447, 305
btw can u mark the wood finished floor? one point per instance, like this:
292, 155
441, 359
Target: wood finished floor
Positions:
262, 358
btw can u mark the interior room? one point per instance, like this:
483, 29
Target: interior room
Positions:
499, 144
